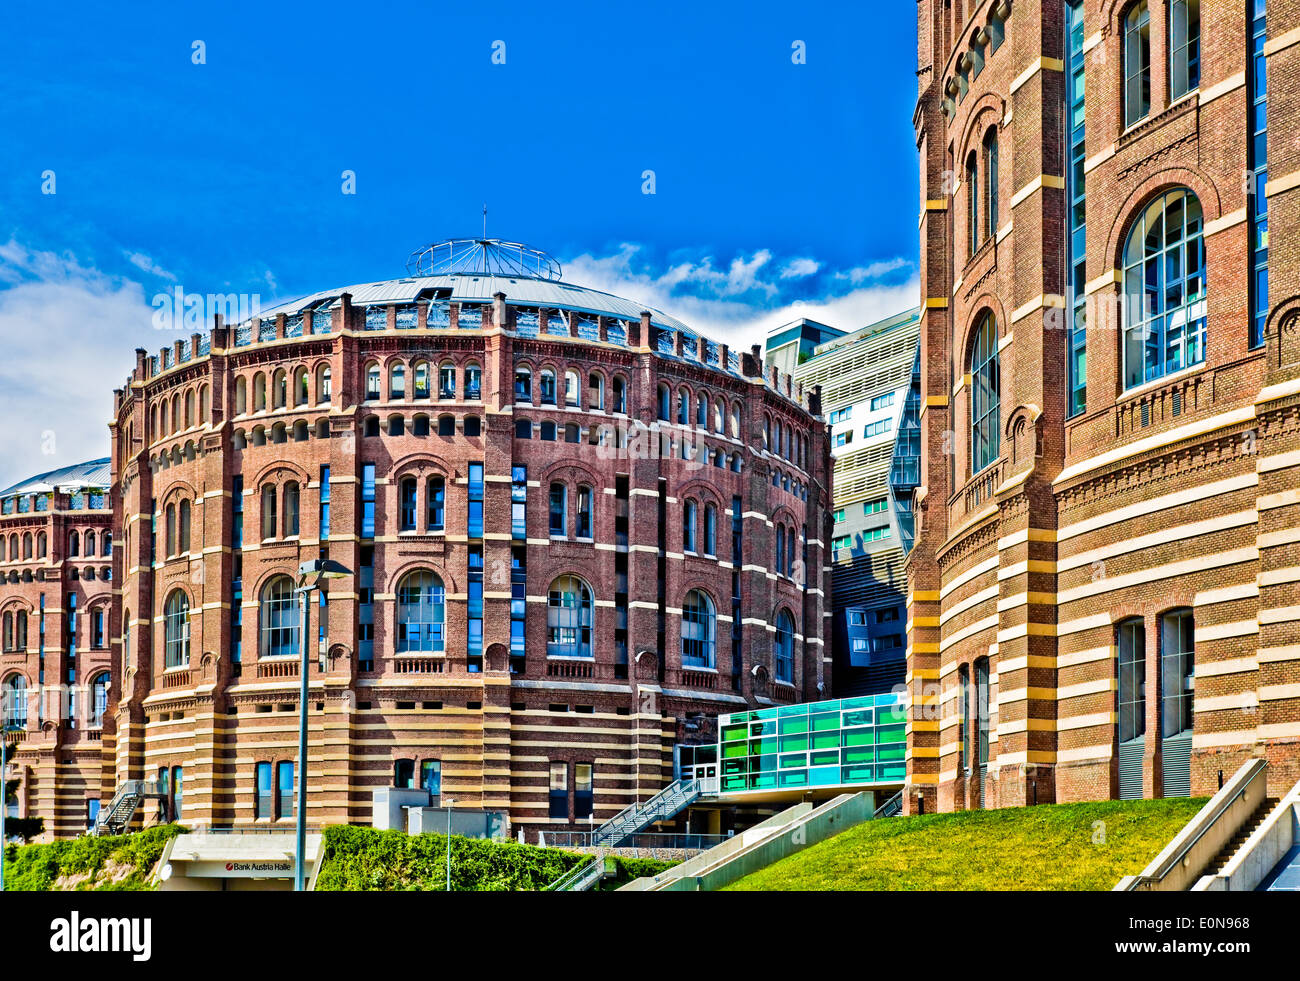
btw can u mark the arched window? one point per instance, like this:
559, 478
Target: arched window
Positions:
42, 546
524, 384
985, 415
372, 382
991, 183
176, 630
620, 395
783, 652
20, 630
559, 507
446, 425
16, 701
291, 500
106, 544
280, 389
572, 389
268, 511
1164, 289
473, 383
421, 373
126, 642
1137, 63
74, 545
397, 382
584, 513
169, 530
699, 630
473, 426
241, 395
324, 386
189, 408
301, 390
183, 538
446, 382
548, 386
688, 526
8, 640
665, 399
1131, 668
982, 718
568, 618
710, 530
683, 407
596, 391
98, 699
436, 492
973, 236
780, 550
396, 425
735, 421
421, 614
27, 544
279, 615
702, 412
406, 503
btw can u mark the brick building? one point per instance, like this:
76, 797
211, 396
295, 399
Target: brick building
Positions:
1103, 593
56, 547
577, 532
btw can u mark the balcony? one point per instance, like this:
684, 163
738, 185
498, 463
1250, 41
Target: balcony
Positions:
275, 668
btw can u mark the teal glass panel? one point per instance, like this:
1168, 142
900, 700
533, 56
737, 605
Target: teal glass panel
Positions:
733, 783
790, 744
858, 774
794, 778
763, 728
863, 701
824, 775
763, 781
762, 764
858, 737
734, 766
762, 747
793, 759
825, 759
892, 771
786, 711
825, 720
894, 715
863, 754
898, 751
859, 717
891, 734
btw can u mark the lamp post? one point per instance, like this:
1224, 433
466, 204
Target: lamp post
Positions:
316, 571
4, 797
450, 801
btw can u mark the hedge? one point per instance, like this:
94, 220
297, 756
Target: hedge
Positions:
35, 868
356, 858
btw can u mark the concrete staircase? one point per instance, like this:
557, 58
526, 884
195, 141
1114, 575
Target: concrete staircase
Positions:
1220, 861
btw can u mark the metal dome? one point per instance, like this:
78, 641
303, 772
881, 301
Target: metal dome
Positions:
483, 256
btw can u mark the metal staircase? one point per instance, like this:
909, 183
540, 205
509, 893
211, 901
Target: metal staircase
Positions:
637, 817
115, 817
890, 808
580, 878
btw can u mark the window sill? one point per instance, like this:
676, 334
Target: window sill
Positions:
1156, 383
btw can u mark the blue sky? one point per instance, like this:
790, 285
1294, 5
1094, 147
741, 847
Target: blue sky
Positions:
780, 189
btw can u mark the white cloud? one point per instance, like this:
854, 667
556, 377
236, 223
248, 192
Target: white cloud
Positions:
146, 264
799, 268
724, 314
70, 333
877, 270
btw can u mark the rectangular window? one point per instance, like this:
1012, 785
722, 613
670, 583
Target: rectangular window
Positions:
474, 611
518, 605
877, 506
838, 516
1076, 216
1137, 64
431, 776
1184, 47
582, 791
1132, 670
842, 415
1257, 154
404, 774
265, 792
284, 802
519, 502
559, 793
475, 515
882, 401
437, 503
844, 438
324, 503
558, 507
1177, 668
368, 500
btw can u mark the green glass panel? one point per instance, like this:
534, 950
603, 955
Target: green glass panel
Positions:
734, 766
825, 720
825, 759
894, 715
731, 734
858, 774
823, 776
826, 740
762, 781
892, 771
733, 783
894, 752
735, 718
791, 743
799, 724
860, 717
858, 737
793, 759
732, 750
892, 734
865, 754
794, 778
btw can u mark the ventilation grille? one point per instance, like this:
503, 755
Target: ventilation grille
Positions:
1130, 769
1176, 754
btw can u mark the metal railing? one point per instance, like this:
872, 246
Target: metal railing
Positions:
680, 841
580, 878
890, 808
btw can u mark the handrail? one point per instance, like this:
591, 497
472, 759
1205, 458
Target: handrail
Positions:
574, 875
893, 806
1174, 860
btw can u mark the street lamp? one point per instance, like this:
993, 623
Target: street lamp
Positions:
450, 801
4, 797
316, 571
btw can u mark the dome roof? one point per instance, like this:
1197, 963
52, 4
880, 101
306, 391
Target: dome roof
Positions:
92, 473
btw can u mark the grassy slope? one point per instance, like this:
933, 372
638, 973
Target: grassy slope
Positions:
121, 862
1047, 847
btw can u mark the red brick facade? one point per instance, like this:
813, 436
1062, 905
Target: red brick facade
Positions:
1180, 494
190, 423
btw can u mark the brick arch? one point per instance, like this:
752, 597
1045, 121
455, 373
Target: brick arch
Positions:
1284, 325
1171, 178
420, 564
570, 470
265, 577
178, 490
294, 471
406, 466
989, 101
985, 303
702, 490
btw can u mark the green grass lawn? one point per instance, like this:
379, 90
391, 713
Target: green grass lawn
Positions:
1059, 847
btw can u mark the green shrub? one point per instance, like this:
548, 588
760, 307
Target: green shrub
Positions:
35, 868
363, 859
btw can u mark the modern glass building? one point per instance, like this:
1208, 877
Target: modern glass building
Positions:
870, 384
852, 742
